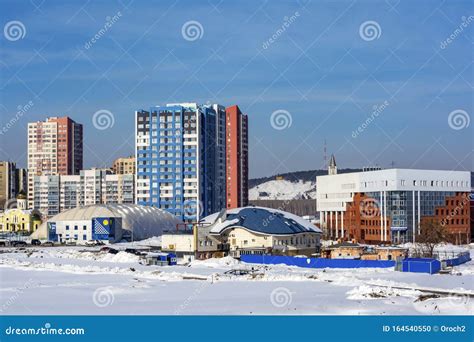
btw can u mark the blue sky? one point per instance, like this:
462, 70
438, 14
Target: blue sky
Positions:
322, 71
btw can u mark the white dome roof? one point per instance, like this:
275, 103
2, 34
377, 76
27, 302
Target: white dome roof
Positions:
145, 221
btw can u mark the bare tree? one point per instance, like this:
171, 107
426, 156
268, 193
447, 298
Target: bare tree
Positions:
431, 234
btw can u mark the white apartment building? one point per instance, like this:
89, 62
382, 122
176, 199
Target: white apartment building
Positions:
54, 194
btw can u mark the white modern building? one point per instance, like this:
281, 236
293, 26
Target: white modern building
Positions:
383, 206
56, 193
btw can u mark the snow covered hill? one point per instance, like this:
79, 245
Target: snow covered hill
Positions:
283, 190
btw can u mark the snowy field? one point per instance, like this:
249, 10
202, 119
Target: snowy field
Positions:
78, 280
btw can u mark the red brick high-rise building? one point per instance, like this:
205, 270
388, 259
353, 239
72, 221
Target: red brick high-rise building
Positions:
236, 158
54, 148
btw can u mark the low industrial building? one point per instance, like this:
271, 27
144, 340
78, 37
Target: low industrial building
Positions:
107, 223
344, 250
352, 250
194, 244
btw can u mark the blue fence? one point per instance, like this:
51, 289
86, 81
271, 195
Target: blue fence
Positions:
315, 262
461, 259
421, 265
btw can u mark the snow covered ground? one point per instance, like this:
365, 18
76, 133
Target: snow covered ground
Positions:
78, 280
283, 190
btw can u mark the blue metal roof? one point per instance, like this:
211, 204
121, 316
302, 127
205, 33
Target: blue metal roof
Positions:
267, 222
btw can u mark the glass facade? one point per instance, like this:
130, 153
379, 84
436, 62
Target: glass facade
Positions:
406, 208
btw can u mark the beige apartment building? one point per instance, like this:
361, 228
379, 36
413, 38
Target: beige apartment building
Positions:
124, 166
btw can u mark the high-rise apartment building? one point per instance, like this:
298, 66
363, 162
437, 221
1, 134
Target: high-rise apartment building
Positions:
8, 183
236, 158
56, 193
180, 158
181, 155
124, 166
54, 148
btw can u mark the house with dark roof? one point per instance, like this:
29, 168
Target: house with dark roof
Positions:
258, 230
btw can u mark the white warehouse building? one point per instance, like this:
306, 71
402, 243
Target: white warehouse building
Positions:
107, 223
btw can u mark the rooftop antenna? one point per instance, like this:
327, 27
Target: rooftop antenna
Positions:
392, 164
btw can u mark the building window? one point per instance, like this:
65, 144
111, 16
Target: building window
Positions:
67, 227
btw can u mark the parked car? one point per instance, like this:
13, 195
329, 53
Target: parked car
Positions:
133, 251
18, 243
35, 242
109, 250
94, 243
48, 244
